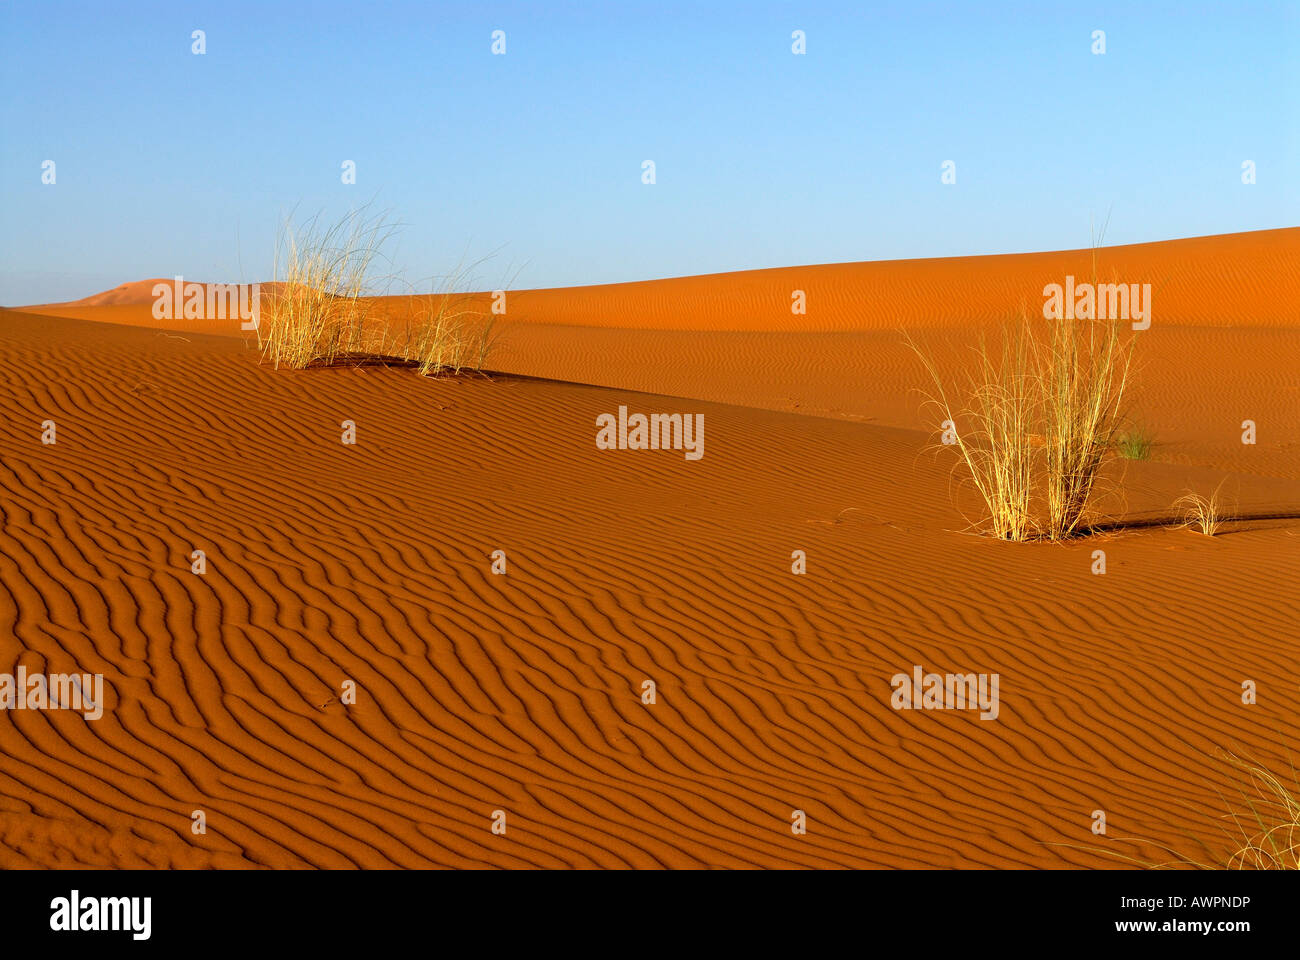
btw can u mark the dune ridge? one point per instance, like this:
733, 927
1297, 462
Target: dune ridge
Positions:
1219, 351
1240, 279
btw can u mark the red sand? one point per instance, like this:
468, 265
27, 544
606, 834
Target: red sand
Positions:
522, 692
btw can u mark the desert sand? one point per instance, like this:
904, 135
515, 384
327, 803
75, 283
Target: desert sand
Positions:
521, 692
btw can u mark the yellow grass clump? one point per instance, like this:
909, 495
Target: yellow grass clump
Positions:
1039, 416
992, 431
324, 309
1197, 511
447, 333
1270, 829
1084, 377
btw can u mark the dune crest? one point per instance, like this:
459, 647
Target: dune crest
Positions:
1226, 280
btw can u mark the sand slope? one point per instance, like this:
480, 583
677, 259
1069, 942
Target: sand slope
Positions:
1220, 349
1228, 280
520, 692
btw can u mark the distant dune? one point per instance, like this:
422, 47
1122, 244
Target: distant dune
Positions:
522, 692
135, 292
1235, 279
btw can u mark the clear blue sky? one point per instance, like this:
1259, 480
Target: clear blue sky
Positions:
170, 163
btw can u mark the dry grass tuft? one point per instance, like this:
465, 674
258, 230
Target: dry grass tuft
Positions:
1040, 417
449, 332
1270, 831
319, 311
1084, 375
992, 431
324, 308
1197, 511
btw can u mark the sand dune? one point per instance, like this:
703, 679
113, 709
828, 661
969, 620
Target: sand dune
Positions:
135, 292
521, 692
1219, 350
1229, 280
